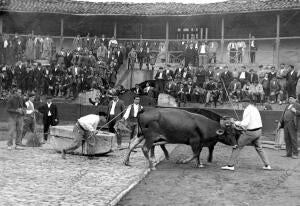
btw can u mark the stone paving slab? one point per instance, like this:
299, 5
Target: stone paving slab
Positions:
38, 176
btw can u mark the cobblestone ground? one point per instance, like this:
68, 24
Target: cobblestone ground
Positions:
38, 176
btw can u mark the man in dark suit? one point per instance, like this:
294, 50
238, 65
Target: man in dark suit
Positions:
169, 72
114, 110
253, 77
119, 57
244, 76
291, 78
160, 79
288, 121
137, 90
50, 116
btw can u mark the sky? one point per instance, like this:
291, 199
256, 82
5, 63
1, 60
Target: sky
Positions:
154, 1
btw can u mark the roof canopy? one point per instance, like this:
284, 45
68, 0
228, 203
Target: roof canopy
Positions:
146, 9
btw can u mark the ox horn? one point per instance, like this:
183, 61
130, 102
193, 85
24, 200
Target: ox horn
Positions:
220, 131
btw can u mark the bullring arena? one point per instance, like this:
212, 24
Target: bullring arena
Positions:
61, 61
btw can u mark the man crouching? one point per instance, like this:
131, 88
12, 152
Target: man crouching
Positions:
84, 128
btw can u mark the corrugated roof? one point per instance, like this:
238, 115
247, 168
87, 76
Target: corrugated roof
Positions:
146, 9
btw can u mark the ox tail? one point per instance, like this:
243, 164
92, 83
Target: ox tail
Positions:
140, 131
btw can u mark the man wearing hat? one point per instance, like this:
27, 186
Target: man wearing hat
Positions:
288, 121
15, 110
29, 119
160, 79
252, 125
114, 110
50, 115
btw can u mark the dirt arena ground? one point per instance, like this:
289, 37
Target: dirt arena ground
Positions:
174, 184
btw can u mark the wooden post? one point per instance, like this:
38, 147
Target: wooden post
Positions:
141, 33
115, 29
222, 40
61, 33
277, 41
1, 24
249, 42
167, 42
206, 33
201, 33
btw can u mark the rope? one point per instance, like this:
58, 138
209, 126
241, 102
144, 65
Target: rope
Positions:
229, 99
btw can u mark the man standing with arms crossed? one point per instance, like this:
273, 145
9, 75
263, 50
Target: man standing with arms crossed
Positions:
252, 125
288, 121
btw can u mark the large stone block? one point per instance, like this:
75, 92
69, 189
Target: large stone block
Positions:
62, 137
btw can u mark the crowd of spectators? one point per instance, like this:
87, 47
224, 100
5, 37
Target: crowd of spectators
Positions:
215, 84
92, 63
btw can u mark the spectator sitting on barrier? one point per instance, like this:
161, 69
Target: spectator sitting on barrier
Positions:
180, 93
137, 90
148, 90
210, 87
235, 90
246, 90
170, 87
84, 129
198, 95
257, 92
274, 89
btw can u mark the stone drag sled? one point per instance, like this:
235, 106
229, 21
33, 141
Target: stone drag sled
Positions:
62, 136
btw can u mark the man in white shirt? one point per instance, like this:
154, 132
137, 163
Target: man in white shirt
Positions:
252, 125
29, 119
84, 128
131, 115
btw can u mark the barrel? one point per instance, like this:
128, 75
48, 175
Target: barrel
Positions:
62, 137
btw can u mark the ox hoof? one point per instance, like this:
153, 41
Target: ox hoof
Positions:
126, 162
201, 166
181, 162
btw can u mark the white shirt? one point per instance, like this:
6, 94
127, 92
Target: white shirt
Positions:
89, 122
29, 104
112, 109
49, 113
135, 109
243, 76
160, 75
251, 118
202, 49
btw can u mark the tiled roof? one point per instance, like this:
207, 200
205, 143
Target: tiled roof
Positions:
146, 9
